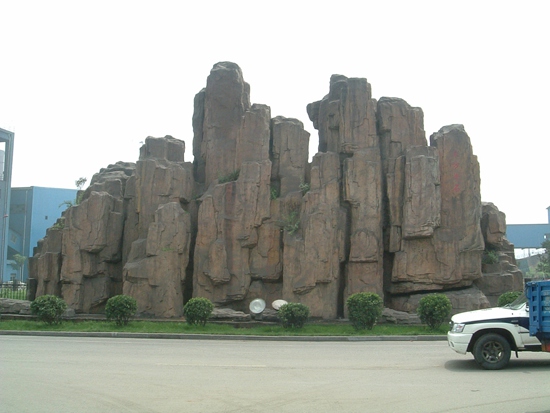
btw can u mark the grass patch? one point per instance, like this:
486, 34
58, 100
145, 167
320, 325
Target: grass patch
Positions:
136, 326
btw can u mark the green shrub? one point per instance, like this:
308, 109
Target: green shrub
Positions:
120, 308
508, 298
197, 310
293, 315
48, 308
434, 309
364, 309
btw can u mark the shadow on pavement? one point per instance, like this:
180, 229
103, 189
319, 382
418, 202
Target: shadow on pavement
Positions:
516, 364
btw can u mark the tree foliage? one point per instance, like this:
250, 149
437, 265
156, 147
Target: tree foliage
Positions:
508, 298
544, 264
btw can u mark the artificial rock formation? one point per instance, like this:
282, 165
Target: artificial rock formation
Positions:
378, 209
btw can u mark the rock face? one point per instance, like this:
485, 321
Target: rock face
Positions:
500, 272
378, 209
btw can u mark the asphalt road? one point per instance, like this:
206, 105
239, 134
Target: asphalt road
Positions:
78, 374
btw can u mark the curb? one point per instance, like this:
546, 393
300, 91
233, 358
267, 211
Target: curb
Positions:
219, 336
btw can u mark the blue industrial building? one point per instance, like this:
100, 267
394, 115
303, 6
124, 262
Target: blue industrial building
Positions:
6, 160
528, 235
32, 211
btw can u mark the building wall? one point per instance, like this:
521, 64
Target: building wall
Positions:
527, 235
6, 147
32, 211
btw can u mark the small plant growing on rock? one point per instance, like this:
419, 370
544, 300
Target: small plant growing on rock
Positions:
274, 193
304, 187
293, 315
231, 176
197, 310
508, 298
48, 308
120, 308
291, 223
364, 309
59, 224
490, 257
434, 309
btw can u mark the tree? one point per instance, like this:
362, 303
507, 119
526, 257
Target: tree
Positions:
80, 182
19, 263
544, 264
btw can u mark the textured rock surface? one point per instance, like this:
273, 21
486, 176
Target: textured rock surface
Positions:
47, 261
500, 272
155, 272
363, 191
441, 249
313, 254
10, 306
462, 300
378, 209
92, 236
290, 153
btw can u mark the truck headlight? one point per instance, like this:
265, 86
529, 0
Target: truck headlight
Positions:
457, 327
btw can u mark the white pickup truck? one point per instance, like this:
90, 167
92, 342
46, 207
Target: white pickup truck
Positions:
493, 333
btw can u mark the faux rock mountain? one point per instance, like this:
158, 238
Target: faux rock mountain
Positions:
378, 209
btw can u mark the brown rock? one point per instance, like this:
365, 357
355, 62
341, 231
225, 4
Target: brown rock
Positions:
493, 225
290, 153
229, 218
451, 257
461, 300
227, 98
11, 306
422, 196
47, 261
400, 127
91, 270
346, 117
253, 138
155, 272
363, 191
312, 255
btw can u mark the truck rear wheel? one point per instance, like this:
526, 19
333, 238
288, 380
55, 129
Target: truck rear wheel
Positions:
492, 351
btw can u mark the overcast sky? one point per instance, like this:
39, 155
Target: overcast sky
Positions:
83, 83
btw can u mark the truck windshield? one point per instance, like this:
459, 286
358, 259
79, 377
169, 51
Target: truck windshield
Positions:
517, 303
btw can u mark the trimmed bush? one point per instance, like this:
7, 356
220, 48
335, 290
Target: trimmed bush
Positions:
434, 309
120, 308
508, 298
364, 309
48, 308
197, 310
293, 315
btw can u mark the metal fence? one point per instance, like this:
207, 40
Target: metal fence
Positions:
13, 290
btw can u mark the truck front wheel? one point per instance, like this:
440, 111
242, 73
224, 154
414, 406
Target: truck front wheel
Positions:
492, 351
